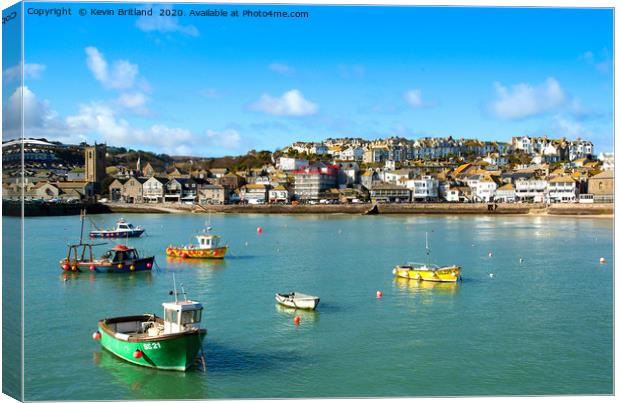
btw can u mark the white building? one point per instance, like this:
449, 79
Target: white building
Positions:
153, 189
580, 149
496, 159
291, 164
562, 189
348, 173
396, 177
319, 149
352, 154
505, 194
608, 161
279, 194
532, 189
423, 189
483, 190
253, 194
523, 143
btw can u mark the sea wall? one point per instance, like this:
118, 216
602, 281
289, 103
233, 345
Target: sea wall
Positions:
43, 209
405, 208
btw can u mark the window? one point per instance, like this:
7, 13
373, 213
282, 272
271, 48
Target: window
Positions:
171, 316
188, 317
600, 186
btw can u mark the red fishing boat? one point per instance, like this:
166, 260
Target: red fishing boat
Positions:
119, 259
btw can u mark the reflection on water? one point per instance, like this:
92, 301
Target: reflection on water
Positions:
304, 314
119, 280
179, 263
149, 383
421, 287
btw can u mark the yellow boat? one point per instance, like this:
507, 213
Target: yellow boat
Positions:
427, 271
208, 248
416, 271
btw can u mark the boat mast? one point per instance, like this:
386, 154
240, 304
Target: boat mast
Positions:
82, 214
428, 257
174, 282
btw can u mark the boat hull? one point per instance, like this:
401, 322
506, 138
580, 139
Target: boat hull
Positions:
172, 352
134, 233
449, 274
196, 253
298, 303
144, 264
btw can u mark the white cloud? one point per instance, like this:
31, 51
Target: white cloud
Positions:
100, 119
122, 75
569, 128
524, 100
291, 103
31, 70
164, 24
414, 99
281, 68
229, 139
38, 117
133, 102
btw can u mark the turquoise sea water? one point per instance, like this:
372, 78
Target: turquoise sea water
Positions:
543, 326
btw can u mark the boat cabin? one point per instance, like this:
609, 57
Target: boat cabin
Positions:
208, 241
124, 225
121, 253
181, 316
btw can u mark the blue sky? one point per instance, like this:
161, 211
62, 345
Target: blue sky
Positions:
221, 86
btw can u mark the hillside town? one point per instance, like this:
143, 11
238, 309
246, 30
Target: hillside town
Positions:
344, 170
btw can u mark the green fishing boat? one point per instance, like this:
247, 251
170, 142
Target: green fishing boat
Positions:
173, 342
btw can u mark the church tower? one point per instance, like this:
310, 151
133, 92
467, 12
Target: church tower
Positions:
94, 158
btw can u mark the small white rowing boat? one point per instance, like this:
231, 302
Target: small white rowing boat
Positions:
297, 300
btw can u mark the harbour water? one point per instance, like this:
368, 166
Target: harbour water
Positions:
543, 326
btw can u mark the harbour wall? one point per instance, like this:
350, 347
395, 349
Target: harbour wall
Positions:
11, 208
404, 208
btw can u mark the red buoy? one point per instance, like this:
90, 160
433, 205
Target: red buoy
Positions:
65, 266
137, 354
259, 230
379, 294
296, 320
148, 265
92, 268
97, 336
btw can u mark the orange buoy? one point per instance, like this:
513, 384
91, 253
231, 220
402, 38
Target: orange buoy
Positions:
602, 260
297, 320
96, 336
120, 266
379, 294
259, 230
